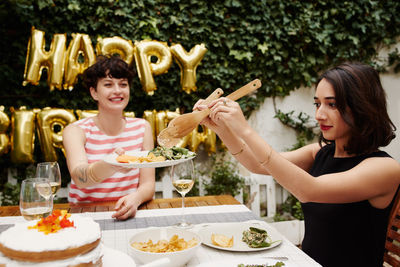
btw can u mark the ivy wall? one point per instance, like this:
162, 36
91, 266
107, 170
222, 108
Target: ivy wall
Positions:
283, 43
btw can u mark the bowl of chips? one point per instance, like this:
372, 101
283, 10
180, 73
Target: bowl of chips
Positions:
178, 245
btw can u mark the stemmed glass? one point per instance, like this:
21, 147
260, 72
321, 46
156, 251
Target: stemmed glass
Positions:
51, 171
35, 201
182, 177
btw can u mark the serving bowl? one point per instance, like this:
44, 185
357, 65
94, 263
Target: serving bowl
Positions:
176, 258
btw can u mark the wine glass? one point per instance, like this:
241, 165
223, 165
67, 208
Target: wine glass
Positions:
51, 171
182, 177
35, 201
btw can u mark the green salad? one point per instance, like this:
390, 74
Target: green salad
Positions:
256, 238
172, 153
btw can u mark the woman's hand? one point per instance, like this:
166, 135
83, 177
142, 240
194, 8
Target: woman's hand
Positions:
123, 169
119, 151
126, 207
226, 113
207, 120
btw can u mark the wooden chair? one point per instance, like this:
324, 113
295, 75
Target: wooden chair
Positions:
391, 256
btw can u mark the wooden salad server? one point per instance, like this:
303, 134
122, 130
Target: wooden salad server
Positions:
167, 136
184, 124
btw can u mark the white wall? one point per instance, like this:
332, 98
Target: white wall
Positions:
279, 136
391, 83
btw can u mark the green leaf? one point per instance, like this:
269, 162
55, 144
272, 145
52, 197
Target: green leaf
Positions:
240, 55
263, 47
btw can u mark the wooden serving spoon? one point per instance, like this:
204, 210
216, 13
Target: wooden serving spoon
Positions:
167, 136
184, 124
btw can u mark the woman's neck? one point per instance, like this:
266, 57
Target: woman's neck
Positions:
110, 124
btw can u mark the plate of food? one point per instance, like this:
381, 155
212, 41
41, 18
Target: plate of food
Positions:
241, 237
156, 158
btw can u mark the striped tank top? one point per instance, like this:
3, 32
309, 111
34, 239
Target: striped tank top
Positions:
97, 146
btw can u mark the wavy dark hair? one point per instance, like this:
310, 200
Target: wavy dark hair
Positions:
105, 66
361, 101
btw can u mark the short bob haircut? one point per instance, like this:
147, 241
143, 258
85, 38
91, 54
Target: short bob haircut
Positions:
361, 101
107, 66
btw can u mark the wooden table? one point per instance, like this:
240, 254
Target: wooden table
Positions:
159, 203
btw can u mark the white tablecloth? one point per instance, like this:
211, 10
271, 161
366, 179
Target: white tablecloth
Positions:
118, 239
116, 234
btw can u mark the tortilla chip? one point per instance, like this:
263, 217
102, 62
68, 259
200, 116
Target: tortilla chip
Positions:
126, 159
222, 240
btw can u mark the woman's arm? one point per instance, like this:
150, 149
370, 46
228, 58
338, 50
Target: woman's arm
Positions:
374, 179
303, 157
238, 147
82, 173
127, 206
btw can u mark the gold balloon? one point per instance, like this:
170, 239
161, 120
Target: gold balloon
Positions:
184, 141
195, 140
115, 45
38, 58
162, 120
22, 135
51, 123
150, 116
188, 63
144, 51
208, 137
80, 48
164, 117
210, 140
4, 123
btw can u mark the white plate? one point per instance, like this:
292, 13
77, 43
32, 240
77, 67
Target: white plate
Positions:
236, 230
114, 257
234, 262
112, 159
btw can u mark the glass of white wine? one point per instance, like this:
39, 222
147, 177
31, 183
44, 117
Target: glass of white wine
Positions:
182, 176
35, 200
51, 171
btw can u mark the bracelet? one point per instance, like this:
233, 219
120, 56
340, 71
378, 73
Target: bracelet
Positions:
268, 157
241, 150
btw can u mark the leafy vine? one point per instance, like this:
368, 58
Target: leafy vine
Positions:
283, 43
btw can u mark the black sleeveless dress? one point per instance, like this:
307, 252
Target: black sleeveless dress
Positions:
349, 234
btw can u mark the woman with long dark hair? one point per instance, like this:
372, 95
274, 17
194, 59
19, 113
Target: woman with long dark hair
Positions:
345, 183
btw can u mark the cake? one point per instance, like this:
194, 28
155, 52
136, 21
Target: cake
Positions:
60, 239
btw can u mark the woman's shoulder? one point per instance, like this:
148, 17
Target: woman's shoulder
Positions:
382, 163
80, 125
386, 168
72, 130
382, 157
84, 122
317, 148
136, 122
380, 153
